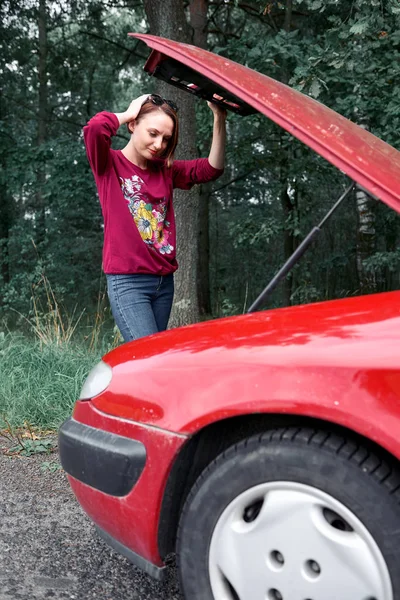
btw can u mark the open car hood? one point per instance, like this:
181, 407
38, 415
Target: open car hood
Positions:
368, 160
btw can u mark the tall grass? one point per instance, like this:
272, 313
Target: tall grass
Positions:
41, 374
40, 383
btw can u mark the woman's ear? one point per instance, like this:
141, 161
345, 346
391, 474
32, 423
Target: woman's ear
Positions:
131, 126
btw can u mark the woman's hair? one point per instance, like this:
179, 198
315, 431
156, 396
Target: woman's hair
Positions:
148, 107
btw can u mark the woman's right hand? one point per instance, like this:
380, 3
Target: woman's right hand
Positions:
133, 110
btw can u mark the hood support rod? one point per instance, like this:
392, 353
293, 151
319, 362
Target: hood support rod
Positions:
297, 254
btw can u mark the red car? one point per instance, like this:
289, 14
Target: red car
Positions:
262, 449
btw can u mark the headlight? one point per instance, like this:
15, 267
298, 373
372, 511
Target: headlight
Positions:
97, 381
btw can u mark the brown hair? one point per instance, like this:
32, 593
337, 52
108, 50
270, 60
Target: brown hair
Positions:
147, 108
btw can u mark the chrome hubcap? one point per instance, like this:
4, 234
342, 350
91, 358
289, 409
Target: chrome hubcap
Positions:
288, 541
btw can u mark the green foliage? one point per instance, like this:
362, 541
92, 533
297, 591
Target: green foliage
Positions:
383, 260
252, 230
305, 293
345, 54
40, 384
41, 375
52, 467
228, 309
27, 447
90, 67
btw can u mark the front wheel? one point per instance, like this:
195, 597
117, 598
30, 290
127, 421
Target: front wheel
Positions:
294, 514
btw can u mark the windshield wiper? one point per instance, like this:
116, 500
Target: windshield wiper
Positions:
297, 254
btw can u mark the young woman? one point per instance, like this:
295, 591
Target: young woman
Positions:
135, 187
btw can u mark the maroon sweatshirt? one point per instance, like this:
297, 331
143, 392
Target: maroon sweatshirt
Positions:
139, 221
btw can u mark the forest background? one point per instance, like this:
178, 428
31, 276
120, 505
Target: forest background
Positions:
63, 61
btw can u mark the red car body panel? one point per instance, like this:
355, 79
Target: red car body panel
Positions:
367, 159
337, 361
132, 519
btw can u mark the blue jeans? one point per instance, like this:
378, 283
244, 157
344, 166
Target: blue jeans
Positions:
140, 304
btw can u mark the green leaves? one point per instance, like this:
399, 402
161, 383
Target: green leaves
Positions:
52, 467
383, 260
360, 27
317, 5
345, 54
315, 88
27, 447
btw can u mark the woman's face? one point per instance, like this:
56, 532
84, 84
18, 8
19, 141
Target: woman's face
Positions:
151, 134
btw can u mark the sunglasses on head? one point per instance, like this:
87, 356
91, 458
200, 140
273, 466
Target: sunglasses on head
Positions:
159, 101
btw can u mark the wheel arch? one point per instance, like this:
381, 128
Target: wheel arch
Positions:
207, 443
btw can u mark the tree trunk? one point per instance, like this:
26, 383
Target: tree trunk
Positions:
198, 22
40, 208
6, 210
288, 15
167, 19
5, 226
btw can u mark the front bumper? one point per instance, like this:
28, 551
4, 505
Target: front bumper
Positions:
118, 470
107, 462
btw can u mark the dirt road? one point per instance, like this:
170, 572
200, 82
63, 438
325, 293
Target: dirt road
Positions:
49, 548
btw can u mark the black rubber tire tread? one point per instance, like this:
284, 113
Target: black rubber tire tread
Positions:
379, 470
348, 448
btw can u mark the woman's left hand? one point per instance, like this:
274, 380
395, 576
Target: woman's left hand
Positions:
218, 110
217, 151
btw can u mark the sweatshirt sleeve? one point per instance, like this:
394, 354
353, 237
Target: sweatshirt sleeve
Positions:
97, 135
186, 173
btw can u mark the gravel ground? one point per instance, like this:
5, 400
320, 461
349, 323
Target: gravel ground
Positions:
49, 548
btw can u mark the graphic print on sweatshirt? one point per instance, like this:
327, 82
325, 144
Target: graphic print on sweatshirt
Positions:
149, 218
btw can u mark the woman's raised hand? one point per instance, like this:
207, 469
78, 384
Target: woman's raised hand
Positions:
216, 157
218, 110
133, 110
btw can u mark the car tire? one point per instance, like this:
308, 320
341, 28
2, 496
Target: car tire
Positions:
313, 496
